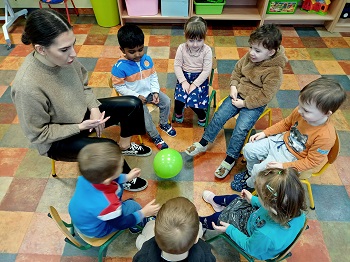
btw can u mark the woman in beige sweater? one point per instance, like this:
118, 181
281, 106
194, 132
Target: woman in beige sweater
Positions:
56, 109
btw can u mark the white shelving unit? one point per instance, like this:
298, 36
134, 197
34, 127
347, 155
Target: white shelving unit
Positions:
252, 10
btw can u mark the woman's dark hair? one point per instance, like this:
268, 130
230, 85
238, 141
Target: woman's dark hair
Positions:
43, 26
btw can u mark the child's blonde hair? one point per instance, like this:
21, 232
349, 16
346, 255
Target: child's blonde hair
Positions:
326, 93
195, 28
281, 193
176, 226
99, 161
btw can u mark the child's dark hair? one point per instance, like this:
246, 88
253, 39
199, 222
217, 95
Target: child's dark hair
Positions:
268, 35
195, 28
99, 161
177, 225
130, 36
282, 193
43, 26
326, 93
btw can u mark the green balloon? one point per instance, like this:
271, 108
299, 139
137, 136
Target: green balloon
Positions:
167, 163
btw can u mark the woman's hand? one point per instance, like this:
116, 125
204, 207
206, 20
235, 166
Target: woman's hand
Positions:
257, 137
221, 228
150, 209
91, 124
185, 86
95, 114
135, 172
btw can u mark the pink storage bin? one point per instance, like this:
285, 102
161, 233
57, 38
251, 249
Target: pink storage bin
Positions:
141, 7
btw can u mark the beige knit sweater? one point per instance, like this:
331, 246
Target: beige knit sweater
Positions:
258, 83
51, 101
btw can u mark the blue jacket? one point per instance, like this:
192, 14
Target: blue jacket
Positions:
267, 239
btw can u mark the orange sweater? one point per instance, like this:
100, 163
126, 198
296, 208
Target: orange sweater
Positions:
309, 144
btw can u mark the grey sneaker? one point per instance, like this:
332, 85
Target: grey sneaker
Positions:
195, 149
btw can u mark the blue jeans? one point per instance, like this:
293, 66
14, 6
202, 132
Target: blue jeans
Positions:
246, 120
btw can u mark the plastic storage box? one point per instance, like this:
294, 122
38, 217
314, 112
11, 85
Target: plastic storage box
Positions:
208, 8
174, 7
141, 7
282, 6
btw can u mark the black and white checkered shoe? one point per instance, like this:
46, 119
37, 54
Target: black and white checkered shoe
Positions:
135, 185
137, 150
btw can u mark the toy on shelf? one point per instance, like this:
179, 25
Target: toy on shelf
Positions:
282, 7
316, 6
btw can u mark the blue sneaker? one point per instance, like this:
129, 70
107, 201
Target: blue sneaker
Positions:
240, 182
168, 129
159, 142
138, 228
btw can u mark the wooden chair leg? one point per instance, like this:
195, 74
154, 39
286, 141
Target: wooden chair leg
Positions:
53, 168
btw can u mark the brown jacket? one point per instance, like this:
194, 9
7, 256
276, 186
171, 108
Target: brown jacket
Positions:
258, 83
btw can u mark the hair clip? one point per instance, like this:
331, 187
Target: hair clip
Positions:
280, 172
271, 190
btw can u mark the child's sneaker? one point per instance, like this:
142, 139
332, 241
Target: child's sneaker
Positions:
135, 185
201, 122
195, 149
179, 118
168, 129
137, 150
138, 228
159, 142
208, 197
240, 182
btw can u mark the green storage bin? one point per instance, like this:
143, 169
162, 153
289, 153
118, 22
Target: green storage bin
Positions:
106, 12
282, 6
208, 8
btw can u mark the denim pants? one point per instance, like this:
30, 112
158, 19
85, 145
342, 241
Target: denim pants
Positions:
245, 121
164, 111
259, 153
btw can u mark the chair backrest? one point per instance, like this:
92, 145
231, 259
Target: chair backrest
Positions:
61, 225
285, 253
334, 152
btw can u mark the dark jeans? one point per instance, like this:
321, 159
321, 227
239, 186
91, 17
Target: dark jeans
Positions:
127, 111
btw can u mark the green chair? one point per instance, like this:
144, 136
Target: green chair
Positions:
68, 230
283, 255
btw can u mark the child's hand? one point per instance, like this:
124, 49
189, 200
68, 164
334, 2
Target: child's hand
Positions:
150, 209
257, 137
233, 93
239, 103
143, 99
192, 87
221, 228
245, 194
155, 98
274, 165
135, 172
185, 86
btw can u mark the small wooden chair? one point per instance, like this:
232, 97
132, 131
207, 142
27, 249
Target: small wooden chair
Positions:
69, 232
283, 255
305, 175
52, 2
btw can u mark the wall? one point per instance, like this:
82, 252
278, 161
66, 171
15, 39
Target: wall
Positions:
34, 4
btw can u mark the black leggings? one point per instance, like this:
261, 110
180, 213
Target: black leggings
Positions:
127, 111
179, 106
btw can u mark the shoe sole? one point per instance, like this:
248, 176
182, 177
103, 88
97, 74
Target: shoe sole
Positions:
216, 210
137, 190
130, 154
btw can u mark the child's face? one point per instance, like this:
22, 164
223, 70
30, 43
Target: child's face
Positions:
258, 53
134, 54
311, 114
195, 44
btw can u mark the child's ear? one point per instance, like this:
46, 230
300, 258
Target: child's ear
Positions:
272, 52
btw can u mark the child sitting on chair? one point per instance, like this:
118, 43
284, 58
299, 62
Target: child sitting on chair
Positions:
302, 140
192, 66
174, 235
254, 82
135, 75
262, 226
96, 206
